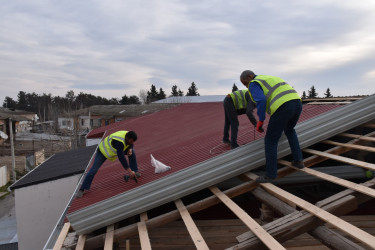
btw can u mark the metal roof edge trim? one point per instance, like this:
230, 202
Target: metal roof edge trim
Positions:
217, 169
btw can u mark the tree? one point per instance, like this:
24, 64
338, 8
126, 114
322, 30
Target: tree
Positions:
193, 90
22, 101
152, 95
303, 95
312, 92
125, 100
9, 103
134, 100
161, 95
327, 94
234, 88
180, 93
174, 91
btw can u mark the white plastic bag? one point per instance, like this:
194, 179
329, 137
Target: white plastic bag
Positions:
159, 167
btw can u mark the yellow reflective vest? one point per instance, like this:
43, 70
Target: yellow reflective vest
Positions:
276, 90
106, 148
239, 99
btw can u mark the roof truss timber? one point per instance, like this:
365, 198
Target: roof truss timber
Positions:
311, 218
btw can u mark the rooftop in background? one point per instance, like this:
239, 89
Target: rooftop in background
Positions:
17, 115
192, 99
132, 110
58, 166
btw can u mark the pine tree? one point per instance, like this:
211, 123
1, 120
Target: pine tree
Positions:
9, 103
312, 92
193, 90
152, 95
174, 91
234, 88
303, 95
327, 94
161, 95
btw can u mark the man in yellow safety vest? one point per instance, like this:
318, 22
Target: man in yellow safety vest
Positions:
114, 146
235, 104
274, 96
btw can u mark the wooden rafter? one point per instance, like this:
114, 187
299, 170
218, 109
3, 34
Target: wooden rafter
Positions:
143, 234
262, 234
60, 240
341, 159
198, 240
348, 184
108, 243
355, 232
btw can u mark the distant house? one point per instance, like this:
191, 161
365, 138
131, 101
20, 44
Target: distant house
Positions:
43, 194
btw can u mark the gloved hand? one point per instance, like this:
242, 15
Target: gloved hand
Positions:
259, 127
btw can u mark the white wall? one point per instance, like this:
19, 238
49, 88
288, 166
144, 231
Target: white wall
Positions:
39, 207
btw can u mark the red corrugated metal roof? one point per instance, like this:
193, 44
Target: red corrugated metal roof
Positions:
179, 137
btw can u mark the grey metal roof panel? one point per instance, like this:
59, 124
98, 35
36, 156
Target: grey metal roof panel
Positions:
216, 170
58, 166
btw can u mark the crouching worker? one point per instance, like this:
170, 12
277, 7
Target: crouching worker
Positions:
116, 145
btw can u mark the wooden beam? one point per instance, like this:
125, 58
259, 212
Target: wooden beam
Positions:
196, 236
347, 145
81, 242
143, 234
341, 159
108, 243
131, 230
257, 229
348, 184
60, 240
359, 137
323, 233
355, 232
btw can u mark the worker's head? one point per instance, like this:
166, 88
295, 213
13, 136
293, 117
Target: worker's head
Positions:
130, 137
246, 77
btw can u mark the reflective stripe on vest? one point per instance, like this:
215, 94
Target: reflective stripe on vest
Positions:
106, 147
274, 95
239, 99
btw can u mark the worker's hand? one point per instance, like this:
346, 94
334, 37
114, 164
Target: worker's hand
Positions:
131, 173
130, 152
259, 127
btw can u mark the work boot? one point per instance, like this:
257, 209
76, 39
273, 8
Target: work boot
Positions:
233, 146
138, 174
298, 164
226, 142
80, 193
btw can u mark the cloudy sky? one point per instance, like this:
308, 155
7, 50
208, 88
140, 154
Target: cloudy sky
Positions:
116, 47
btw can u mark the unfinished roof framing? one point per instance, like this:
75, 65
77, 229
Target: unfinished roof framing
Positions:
320, 220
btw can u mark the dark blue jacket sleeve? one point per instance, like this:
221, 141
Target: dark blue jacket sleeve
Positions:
260, 99
120, 153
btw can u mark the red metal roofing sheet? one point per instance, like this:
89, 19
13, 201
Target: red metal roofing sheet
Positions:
179, 137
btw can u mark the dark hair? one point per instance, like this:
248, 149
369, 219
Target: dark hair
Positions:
246, 73
131, 135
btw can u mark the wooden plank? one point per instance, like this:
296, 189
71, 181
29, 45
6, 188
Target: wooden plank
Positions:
108, 243
60, 240
143, 236
81, 242
348, 184
360, 137
341, 159
355, 232
257, 229
143, 216
191, 227
348, 145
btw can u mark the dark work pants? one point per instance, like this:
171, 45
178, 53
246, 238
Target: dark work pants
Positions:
283, 120
98, 162
231, 121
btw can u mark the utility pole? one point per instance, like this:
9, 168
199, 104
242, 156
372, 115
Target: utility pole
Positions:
12, 150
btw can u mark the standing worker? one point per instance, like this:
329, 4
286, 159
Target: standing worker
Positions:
235, 104
116, 145
283, 104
